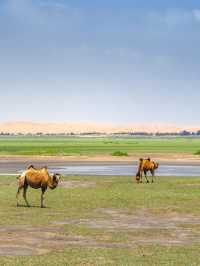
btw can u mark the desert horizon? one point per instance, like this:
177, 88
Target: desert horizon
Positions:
28, 127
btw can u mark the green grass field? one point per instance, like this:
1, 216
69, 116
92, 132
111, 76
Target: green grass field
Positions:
96, 146
92, 223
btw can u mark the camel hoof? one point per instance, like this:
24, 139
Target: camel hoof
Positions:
147, 181
43, 207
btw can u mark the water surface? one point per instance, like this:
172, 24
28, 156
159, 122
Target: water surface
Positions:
127, 170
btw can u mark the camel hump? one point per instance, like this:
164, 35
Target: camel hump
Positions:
31, 166
149, 159
44, 168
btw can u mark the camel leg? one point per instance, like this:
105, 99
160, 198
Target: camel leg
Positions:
152, 173
141, 177
145, 174
42, 197
17, 195
24, 194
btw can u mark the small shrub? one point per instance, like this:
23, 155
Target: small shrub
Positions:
197, 153
119, 153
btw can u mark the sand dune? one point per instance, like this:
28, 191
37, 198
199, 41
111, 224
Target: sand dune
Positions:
56, 128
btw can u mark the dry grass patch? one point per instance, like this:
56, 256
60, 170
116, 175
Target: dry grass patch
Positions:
76, 183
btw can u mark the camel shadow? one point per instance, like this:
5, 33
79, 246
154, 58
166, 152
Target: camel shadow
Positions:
31, 206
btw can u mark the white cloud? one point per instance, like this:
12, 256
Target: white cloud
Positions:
177, 17
172, 18
53, 4
196, 14
40, 12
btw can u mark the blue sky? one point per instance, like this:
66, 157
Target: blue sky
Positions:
100, 61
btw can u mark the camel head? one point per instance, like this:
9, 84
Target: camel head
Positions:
137, 178
156, 165
54, 181
141, 160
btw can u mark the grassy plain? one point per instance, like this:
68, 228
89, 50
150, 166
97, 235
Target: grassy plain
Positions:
103, 221
66, 146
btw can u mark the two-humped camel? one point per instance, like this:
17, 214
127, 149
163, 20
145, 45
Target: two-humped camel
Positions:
146, 165
36, 178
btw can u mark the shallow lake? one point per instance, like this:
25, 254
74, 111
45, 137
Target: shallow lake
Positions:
14, 167
128, 170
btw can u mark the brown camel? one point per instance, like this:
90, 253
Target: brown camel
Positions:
146, 165
36, 178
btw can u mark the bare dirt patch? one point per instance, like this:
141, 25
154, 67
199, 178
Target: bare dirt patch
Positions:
144, 226
142, 219
139, 227
75, 184
24, 240
178, 157
188, 185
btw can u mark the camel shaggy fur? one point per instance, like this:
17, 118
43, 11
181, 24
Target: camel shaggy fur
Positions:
36, 178
146, 165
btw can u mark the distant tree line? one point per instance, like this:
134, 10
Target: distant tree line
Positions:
139, 133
